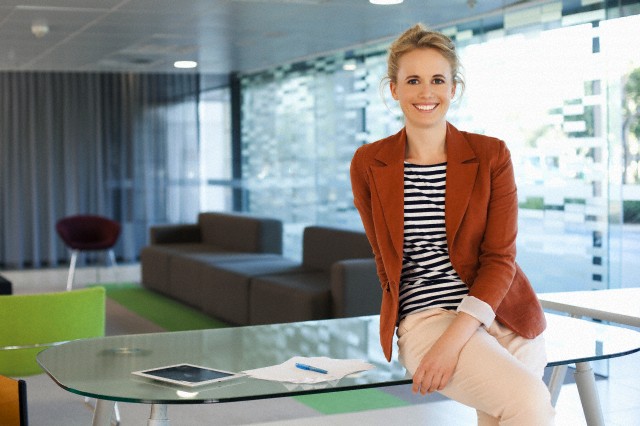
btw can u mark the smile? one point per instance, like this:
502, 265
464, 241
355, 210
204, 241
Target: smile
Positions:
423, 107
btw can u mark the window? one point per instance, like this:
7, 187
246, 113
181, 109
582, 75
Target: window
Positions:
561, 86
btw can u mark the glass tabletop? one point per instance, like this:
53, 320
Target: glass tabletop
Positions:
101, 368
620, 305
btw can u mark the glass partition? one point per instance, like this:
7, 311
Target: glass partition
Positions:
558, 81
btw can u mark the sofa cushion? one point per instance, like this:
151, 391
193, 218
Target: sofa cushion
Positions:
289, 297
226, 285
323, 246
155, 262
237, 232
186, 273
155, 269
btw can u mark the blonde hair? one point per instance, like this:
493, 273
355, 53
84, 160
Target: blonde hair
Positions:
419, 37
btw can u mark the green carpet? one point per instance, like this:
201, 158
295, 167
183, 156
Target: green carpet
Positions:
351, 401
174, 316
161, 310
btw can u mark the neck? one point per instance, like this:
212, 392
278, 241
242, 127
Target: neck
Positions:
426, 145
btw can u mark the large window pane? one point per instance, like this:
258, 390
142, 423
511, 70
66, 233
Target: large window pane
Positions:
216, 189
554, 80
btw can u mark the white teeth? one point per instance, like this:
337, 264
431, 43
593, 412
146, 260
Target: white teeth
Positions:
426, 107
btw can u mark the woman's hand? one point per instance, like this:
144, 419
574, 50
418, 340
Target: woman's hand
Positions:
435, 369
439, 363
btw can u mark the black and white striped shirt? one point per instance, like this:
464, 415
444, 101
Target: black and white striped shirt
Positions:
428, 279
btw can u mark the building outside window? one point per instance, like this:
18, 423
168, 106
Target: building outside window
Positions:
561, 86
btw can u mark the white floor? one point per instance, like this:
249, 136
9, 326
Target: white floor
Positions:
49, 405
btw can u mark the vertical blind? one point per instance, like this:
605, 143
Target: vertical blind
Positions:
123, 146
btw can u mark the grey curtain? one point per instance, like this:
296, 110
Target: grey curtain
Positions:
120, 145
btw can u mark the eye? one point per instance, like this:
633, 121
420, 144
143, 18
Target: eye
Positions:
438, 81
413, 81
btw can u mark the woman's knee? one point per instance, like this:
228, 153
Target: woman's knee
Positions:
531, 405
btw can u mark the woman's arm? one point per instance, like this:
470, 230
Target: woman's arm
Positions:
362, 201
497, 250
438, 364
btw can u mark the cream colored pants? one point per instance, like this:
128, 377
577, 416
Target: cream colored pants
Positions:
498, 373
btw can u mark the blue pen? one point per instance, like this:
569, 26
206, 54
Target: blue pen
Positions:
311, 368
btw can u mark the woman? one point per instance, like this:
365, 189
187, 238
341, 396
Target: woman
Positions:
469, 324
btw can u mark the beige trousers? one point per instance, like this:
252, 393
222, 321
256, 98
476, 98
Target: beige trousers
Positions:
498, 373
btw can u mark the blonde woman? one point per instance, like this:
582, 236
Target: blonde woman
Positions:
439, 207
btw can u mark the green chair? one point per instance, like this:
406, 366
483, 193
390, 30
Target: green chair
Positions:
32, 322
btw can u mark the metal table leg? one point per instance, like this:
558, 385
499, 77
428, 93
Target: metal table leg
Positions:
102, 413
556, 381
586, 382
158, 416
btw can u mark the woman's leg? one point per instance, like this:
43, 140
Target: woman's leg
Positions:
531, 352
487, 376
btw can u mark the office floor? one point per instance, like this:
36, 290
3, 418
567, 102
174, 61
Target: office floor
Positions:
49, 405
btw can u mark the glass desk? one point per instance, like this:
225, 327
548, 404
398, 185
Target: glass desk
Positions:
620, 305
101, 368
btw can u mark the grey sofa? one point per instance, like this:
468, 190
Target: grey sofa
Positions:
230, 266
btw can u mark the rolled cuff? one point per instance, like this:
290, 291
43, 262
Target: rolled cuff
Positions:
478, 309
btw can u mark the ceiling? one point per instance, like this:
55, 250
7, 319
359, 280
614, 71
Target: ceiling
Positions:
222, 35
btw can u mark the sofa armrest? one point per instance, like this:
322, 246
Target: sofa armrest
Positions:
355, 288
182, 233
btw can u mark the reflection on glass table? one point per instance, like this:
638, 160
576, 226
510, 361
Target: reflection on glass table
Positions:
101, 368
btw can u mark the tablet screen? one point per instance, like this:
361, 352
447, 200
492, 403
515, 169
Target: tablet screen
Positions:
186, 374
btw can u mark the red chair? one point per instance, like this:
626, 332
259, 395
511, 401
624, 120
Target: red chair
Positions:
87, 233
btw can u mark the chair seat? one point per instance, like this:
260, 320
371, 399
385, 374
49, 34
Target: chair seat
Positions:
87, 233
92, 245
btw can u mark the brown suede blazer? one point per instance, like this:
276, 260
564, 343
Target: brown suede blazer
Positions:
481, 210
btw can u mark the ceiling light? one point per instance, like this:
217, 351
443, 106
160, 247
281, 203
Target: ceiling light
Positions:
39, 28
385, 1
185, 64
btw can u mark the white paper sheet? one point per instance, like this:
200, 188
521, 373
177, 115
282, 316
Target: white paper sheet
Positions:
288, 372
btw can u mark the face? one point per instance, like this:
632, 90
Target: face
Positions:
424, 88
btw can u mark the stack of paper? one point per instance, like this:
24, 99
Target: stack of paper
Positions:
288, 372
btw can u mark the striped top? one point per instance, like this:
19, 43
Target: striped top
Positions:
428, 279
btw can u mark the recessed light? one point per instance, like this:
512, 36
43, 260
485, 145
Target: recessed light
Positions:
384, 2
185, 64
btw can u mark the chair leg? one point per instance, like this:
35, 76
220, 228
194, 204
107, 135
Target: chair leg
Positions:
112, 258
72, 268
109, 258
116, 411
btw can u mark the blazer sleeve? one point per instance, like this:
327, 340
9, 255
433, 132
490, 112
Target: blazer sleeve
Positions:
360, 186
496, 262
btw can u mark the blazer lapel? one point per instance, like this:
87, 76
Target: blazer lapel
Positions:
462, 168
389, 184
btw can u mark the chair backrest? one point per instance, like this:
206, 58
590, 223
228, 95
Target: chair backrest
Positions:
86, 232
30, 323
13, 402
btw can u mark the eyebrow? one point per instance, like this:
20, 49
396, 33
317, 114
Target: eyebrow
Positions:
409, 77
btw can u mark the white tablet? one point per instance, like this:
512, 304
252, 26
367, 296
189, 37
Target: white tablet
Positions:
187, 374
